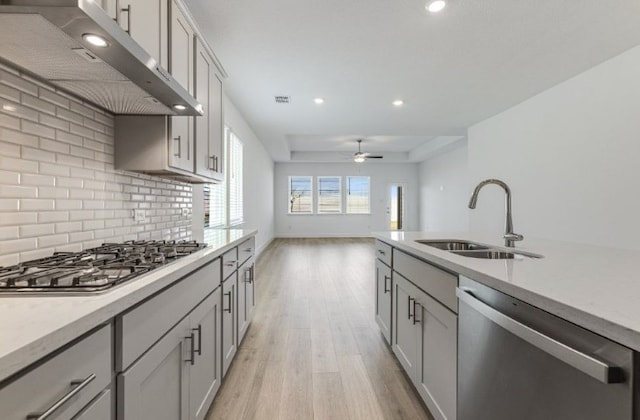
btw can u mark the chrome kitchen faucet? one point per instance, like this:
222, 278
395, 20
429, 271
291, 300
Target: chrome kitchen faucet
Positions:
509, 236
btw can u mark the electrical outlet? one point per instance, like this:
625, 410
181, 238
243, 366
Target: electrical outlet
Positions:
139, 215
185, 211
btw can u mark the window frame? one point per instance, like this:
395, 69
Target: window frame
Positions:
319, 178
290, 199
347, 194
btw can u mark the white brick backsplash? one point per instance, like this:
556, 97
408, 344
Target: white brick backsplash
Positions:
53, 216
29, 231
17, 137
68, 204
53, 97
17, 245
68, 227
9, 204
10, 150
52, 192
16, 218
68, 138
18, 191
58, 186
8, 232
53, 169
80, 236
40, 180
36, 204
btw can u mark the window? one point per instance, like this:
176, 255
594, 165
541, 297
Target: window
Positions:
300, 195
358, 195
234, 179
223, 203
329, 194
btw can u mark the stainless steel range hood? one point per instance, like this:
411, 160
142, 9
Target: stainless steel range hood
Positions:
45, 38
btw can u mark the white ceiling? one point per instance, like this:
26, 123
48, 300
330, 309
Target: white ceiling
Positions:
473, 60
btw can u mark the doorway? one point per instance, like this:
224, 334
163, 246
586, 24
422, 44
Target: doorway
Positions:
395, 208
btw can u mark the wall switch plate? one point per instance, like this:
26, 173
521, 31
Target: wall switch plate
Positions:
185, 211
138, 215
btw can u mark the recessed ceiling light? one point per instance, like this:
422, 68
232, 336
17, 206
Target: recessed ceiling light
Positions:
436, 6
96, 40
318, 101
398, 102
179, 107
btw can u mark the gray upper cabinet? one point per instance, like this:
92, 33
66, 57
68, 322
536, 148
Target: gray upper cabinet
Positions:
147, 23
209, 127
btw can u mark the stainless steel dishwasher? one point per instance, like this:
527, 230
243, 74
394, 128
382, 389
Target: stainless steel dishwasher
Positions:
518, 362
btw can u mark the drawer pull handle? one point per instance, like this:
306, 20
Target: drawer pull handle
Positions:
77, 387
381, 252
250, 272
192, 351
228, 310
199, 329
409, 307
385, 284
415, 318
230, 264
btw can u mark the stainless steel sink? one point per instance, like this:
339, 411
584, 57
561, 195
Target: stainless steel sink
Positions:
452, 245
475, 250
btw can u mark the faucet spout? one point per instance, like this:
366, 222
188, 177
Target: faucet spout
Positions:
509, 236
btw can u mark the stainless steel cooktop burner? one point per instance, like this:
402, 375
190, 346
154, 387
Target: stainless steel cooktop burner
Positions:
93, 270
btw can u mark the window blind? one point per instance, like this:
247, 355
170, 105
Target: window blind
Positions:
358, 191
329, 194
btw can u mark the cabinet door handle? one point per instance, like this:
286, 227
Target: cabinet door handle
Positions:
128, 10
212, 163
179, 154
385, 284
188, 150
77, 387
415, 318
215, 159
192, 351
228, 310
199, 330
409, 299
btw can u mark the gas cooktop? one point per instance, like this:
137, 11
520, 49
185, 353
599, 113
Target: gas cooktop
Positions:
93, 270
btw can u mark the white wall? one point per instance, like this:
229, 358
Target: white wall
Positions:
382, 175
570, 155
258, 180
444, 191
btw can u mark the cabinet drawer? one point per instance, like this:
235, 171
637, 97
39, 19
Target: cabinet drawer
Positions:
98, 409
229, 262
436, 282
69, 371
142, 326
246, 250
383, 252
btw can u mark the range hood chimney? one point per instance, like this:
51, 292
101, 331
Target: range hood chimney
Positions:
47, 38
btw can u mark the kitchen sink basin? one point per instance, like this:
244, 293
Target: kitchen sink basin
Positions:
453, 245
475, 250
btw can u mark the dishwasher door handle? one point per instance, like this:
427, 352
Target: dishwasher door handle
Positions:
579, 360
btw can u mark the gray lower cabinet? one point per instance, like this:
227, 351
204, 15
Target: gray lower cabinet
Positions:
383, 299
66, 384
246, 301
98, 409
229, 321
206, 374
156, 386
423, 322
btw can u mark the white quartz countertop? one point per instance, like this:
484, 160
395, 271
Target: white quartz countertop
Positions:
34, 326
595, 287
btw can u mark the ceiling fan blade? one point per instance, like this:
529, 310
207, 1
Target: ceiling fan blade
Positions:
374, 157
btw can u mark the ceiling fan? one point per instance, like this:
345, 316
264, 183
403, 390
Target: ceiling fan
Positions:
361, 156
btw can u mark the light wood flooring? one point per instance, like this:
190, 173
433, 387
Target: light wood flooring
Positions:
313, 350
